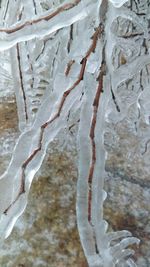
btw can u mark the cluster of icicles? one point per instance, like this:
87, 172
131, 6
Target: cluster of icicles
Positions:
60, 69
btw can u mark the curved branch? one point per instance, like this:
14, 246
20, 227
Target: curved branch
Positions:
46, 24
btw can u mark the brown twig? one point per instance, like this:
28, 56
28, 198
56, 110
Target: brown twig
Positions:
92, 135
69, 65
48, 17
57, 114
70, 38
21, 82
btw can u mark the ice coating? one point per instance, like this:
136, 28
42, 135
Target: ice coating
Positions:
118, 3
68, 69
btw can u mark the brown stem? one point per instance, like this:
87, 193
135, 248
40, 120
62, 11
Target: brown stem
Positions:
56, 115
69, 65
92, 136
21, 82
46, 18
70, 38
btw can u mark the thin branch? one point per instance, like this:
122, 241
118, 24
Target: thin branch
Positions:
69, 65
21, 82
92, 134
94, 38
47, 17
70, 38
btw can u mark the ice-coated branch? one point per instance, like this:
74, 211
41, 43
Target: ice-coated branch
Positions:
63, 64
23, 167
23, 57
48, 23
